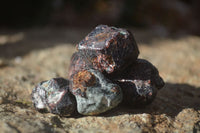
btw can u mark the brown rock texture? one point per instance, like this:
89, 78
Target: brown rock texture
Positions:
41, 54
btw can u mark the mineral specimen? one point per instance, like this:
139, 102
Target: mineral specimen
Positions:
54, 96
139, 83
112, 53
103, 73
78, 63
94, 93
108, 48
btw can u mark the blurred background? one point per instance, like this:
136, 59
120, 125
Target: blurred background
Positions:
177, 16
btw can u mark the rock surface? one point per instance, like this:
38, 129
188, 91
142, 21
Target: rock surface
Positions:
31, 60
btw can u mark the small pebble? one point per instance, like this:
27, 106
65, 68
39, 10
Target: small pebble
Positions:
94, 93
18, 59
54, 96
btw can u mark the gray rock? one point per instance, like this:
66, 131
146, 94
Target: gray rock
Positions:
94, 93
54, 96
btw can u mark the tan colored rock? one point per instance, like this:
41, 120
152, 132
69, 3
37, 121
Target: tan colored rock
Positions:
7, 128
173, 110
186, 120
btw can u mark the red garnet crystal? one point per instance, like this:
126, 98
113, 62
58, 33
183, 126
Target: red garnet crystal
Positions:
104, 72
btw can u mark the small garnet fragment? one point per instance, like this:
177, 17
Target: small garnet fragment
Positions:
94, 93
108, 48
139, 83
54, 96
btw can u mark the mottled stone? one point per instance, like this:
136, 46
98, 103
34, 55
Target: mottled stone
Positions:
109, 48
94, 93
1, 100
54, 95
187, 121
7, 128
78, 63
139, 83
113, 52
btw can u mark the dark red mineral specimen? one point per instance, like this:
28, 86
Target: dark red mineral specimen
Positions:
108, 49
139, 83
113, 52
103, 72
78, 63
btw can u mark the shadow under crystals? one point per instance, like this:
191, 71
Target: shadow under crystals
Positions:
170, 100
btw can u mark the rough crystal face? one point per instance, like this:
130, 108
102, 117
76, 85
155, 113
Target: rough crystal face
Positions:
54, 96
78, 63
139, 83
108, 48
94, 93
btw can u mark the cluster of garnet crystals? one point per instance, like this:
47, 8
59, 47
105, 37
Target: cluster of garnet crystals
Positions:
104, 72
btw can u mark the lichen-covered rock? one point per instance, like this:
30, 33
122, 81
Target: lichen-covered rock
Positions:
108, 49
54, 96
94, 93
139, 83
